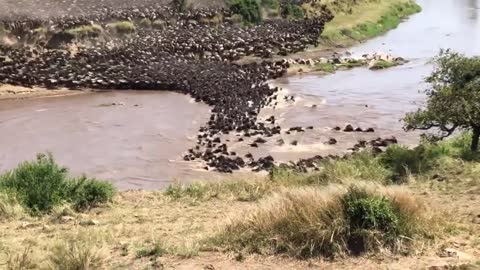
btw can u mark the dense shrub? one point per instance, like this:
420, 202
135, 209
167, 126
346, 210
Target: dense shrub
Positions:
38, 185
88, 193
369, 216
402, 160
292, 11
248, 9
42, 184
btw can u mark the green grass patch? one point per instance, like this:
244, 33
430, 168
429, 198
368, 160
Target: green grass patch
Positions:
42, 184
85, 31
352, 63
382, 64
238, 190
325, 67
366, 20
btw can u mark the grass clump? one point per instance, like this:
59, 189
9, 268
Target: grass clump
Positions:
123, 27
74, 254
88, 193
426, 157
382, 64
325, 67
85, 31
157, 250
360, 166
20, 261
42, 184
9, 207
309, 222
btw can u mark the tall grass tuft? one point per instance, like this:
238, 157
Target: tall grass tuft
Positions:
20, 261
77, 253
9, 207
331, 221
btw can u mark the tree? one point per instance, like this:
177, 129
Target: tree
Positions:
248, 9
453, 100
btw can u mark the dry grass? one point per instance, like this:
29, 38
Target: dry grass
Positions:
301, 215
136, 220
308, 222
9, 207
80, 251
175, 228
122, 27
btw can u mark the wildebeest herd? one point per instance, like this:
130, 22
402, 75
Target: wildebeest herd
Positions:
187, 54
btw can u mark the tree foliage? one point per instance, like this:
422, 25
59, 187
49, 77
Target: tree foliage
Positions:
248, 9
453, 100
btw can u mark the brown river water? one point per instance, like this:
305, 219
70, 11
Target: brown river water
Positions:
141, 146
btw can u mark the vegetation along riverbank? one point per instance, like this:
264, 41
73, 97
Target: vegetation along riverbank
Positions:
405, 208
382, 205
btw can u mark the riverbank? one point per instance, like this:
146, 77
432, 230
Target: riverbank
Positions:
366, 20
183, 226
356, 23
8, 92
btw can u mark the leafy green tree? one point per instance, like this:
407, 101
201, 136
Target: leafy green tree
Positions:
248, 9
453, 100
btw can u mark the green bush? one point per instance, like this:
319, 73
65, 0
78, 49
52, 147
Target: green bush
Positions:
403, 161
38, 185
292, 11
88, 193
248, 9
366, 212
42, 184
369, 217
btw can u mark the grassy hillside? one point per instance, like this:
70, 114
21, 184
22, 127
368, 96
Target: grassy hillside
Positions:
365, 20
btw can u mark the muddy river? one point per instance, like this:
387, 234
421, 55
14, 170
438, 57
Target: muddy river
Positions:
380, 98
139, 142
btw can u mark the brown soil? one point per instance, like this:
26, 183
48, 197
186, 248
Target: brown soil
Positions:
18, 92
